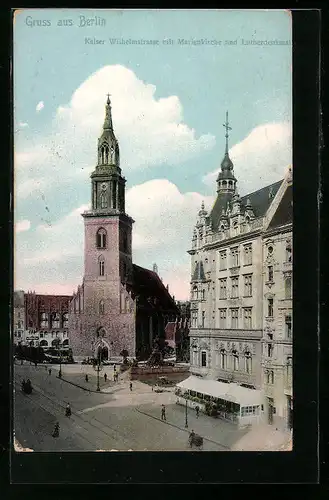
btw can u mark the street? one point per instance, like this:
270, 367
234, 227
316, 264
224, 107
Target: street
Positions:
118, 419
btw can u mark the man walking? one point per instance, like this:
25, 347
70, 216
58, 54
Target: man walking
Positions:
49, 371
131, 386
163, 413
86, 377
197, 409
105, 377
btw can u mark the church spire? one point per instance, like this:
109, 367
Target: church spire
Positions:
108, 115
226, 163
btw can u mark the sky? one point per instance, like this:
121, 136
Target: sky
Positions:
169, 100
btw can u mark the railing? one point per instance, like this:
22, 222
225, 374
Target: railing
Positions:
219, 332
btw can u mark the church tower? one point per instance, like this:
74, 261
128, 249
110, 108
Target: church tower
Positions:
226, 182
108, 229
102, 319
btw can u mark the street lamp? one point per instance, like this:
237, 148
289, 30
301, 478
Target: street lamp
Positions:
98, 367
186, 423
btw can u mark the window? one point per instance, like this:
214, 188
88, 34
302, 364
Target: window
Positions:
203, 358
222, 318
287, 288
289, 369
101, 238
270, 250
288, 327
235, 287
194, 318
101, 264
269, 377
127, 305
270, 273
203, 319
195, 293
235, 229
288, 252
222, 288
222, 261
103, 199
248, 366
248, 255
55, 320
203, 294
270, 308
269, 350
65, 320
101, 307
234, 257
249, 410
247, 318
235, 360
41, 335
234, 318
223, 359
248, 285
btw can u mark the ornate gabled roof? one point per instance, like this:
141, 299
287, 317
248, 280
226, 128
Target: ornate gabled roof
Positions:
199, 274
260, 201
283, 214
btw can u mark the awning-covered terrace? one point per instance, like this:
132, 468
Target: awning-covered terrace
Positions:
229, 392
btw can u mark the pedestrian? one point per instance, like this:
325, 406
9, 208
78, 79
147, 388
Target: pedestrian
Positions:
21, 362
197, 409
68, 411
105, 377
35, 364
56, 430
131, 386
163, 413
49, 371
86, 377
152, 387
114, 367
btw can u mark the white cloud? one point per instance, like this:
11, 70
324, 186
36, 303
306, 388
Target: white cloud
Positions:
23, 124
261, 158
22, 225
40, 106
150, 130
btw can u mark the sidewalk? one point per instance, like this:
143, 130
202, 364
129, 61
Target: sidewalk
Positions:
218, 431
264, 438
77, 377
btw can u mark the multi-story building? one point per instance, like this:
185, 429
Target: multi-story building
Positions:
230, 293
119, 305
18, 316
277, 316
46, 320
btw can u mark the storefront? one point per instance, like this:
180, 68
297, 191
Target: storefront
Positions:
230, 401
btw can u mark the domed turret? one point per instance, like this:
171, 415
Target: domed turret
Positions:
226, 182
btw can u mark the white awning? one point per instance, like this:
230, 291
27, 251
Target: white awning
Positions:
228, 392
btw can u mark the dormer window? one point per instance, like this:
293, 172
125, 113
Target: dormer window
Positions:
101, 238
247, 219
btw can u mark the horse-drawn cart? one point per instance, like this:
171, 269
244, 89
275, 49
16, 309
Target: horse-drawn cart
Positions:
195, 440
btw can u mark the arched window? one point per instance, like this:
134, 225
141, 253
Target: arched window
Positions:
127, 305
65, 342
195, 293
103, 199
101, 265
287, 287
247, 219
43, 343
288, 252
235, 356
230, 183
223, 359
248, 365
101, 306
224, 184
101, 238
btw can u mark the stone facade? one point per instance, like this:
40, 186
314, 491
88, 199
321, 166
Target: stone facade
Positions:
44, 319
18, 316
230, 328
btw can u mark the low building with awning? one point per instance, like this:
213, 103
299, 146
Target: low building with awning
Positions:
231, 401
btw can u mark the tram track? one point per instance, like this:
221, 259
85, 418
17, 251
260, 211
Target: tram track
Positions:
57, 409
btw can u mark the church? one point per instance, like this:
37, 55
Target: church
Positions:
119, 306
241, 299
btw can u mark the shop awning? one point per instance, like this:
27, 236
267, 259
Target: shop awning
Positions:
229, 392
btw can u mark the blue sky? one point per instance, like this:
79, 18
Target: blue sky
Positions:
169, 104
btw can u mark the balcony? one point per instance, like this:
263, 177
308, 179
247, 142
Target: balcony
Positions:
228, 333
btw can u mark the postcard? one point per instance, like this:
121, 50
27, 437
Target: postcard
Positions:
153, 259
